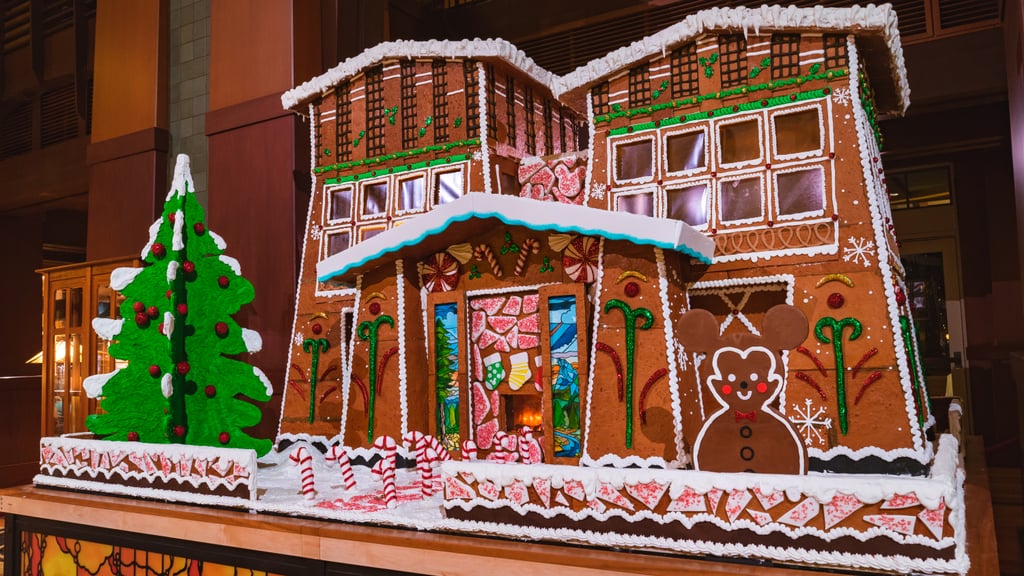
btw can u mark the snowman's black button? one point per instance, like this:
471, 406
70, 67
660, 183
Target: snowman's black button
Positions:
747, 453
746, 432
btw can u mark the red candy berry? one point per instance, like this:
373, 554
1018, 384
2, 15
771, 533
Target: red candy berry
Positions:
133, 436
159, 250
152, 311
901, 298
182, 309
142, 320
154, 370
836, 300
169, 294
223, 281
316, 328
139, 307
210, 391
189, 267
172, 216
762, 387
183, 367
726, 389
224, 437
221, 328
199, 228
179, 430
374, 308
632, 289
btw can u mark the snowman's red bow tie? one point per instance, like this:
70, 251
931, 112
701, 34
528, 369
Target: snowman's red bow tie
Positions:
752, 416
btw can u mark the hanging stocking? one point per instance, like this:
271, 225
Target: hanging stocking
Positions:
494, 371
520, 372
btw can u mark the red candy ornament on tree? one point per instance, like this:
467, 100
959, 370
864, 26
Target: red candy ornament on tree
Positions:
159, 250
221, 328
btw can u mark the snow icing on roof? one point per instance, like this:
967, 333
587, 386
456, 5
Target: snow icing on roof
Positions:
514, 211
855, 20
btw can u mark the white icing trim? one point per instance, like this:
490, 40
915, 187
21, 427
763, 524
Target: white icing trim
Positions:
218, 240
485, 153
253, 341
182, 180
682, 458
167, 385
107, 328
122, 277
592, 133
172, 271
263, 379
177, 240
93, 385
232, 263
168, 324
403, 393
346, 381
598, 282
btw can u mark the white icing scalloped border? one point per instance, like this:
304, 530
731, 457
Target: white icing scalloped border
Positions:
682, 458
403, 391
596, 301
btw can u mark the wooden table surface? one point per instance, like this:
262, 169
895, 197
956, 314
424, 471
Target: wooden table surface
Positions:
422, 552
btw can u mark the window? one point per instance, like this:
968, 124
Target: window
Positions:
685, 152
370, 232
531, 128
685, 76
376, 115
733, 50
343, 122
561, 128
408, 87
920, 187
835, 51
337, 242
439, 79
472, 99
740, 200
375, 198
798, 133
599, 94
740, 142
639, 85
689, 204
509, 183
510, 109
492, 112
341, 203
785, 55
641, 203
800, 192
412, 193
549, 141
634, 160
447, 187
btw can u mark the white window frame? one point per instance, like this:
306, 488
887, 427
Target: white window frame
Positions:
711, 194
329, 202
613, 164
363, 216
799, 215
741, 119
677, 132
816, 106
759, 175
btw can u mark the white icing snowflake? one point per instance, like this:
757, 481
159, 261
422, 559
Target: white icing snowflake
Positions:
478, 155
297, 339
842, 96
597, 191
859, 251
315, 231
810, 424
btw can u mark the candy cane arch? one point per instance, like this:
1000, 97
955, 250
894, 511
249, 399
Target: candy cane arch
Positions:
484, 252
368, 330
301, 458
389, 455
529, 246
630, 315
837, 327
469, 450
340, 454
418, 442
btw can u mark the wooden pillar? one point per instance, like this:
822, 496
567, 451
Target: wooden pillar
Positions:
127, 156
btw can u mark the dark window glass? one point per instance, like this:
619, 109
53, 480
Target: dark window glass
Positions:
685, 151
634, 160
800, 192
740, 199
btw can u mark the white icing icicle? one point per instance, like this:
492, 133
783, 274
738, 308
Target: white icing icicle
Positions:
217, 240
107, 328
166, 385
232, 263
172, 271
93, 385
253, 340
263, 378
168, 324
122, 277
182, 177
177, 242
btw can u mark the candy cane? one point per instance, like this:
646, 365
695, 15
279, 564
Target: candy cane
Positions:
498, 453
340, 454
301, 458
418, 441
468, 450
389, 452
484, 252
440, 453
529, 246
529, 448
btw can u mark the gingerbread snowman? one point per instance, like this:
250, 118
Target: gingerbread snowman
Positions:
745, 374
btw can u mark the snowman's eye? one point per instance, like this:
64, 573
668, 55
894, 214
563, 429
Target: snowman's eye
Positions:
732, 377
753, 376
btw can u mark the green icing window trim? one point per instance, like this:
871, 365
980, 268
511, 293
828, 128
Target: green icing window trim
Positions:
618, 112
724, 111
398, 169
400, 154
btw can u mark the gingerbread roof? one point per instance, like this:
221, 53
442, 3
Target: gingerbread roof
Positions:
474, 214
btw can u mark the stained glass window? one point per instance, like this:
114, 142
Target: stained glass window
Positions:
565, 380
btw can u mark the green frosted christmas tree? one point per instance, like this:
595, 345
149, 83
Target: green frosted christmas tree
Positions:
177, 336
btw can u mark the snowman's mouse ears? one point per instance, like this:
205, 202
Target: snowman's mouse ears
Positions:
784, 327
698, 331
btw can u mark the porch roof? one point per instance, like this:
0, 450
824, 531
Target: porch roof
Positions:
476, 213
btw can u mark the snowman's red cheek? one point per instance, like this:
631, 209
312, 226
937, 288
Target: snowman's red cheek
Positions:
726, 389
762, 387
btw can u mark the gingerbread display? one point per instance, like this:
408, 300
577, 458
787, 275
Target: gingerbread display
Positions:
746, 376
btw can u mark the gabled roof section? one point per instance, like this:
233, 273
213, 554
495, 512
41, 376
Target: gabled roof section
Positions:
494, 49
874, 26
476, 214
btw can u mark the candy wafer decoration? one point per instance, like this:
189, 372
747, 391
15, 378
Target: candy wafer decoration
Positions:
389, 451
301, 458
469, 451
529, 246
339, 454
484, 252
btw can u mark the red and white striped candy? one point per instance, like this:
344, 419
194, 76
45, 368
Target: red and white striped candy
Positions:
418, 442
301, 458
389, 452
339, 454
529, 448
468, 450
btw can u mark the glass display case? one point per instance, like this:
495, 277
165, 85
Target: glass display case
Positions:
72, 296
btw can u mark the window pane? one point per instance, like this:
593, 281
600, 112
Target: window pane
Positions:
642, 204
448, 187
375, 198
341, 204
688, 204
801, 192
797, 132
412, 194
685, 151
337, 242
741, 199
368, 233
740, 141
633, 160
